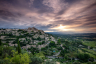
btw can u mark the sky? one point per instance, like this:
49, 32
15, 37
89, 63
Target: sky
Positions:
68, 16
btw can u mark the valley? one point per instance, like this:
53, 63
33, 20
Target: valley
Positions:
65, 49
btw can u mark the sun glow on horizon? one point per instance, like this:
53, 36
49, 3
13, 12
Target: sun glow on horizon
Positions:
62, 28
59, 27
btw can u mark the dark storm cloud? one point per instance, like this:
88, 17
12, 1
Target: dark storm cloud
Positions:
70, 1
9, 16
6, 13
19, 3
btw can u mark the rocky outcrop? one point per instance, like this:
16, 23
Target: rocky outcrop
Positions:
32, 29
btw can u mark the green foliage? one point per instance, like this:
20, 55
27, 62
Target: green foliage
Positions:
23, 44
36, 60
43, 49
7, 42
33, 50
61, 60
91, 59
89, 43
43, 42
62, 53
40, 43
59, 41
19, 58
83, 57
1, 49
20, 30
76, 63
66, 46
52, 44
66, 57
6, 51
0, 42
4, 61
94, 62
39, 39
59, 48
8, 56
14, 42
40, 55
19, 48
50, 62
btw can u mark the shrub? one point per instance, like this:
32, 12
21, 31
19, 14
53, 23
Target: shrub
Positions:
76, 63
49, 62
52, 44
19, 58
91, 59
83, 57
36, 60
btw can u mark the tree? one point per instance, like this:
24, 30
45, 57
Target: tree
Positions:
52, 44
62, 53
76, 63
19, 48
50, 62
86, 57
33, 50
83, 57
7, 42
1, 49
43, 42
40, 55
36, 60
59, 48
0, 42
39, 38
4, 61
19, 58
6, 51
39, 43
59, 41
91, 59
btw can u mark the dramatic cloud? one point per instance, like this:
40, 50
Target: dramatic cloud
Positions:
49, 15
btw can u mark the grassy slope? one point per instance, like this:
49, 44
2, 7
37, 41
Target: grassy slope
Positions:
90, 52
89, 43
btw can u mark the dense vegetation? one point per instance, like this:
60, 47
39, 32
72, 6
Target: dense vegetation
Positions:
67, 49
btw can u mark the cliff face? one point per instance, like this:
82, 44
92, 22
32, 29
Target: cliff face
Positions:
27, 37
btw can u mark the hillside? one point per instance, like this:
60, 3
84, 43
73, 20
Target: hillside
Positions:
36, 44
27, 37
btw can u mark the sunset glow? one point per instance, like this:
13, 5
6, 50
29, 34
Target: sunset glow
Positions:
49, 15
62, 28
